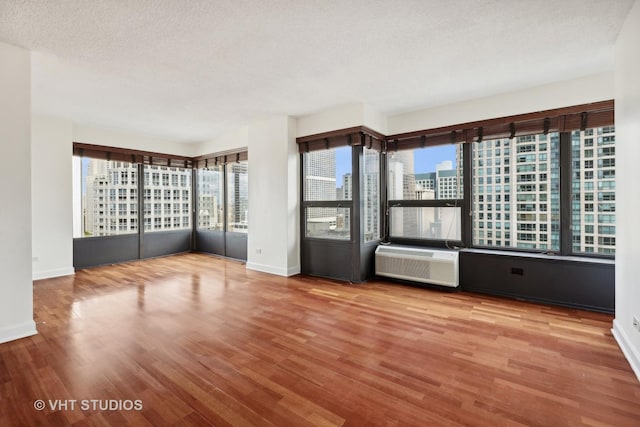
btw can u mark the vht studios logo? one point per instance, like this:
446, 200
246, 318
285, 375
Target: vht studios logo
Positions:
88, 405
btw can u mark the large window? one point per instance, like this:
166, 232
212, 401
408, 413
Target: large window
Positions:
516, 192
170, 207
327, 181
518, 195
425, 191
593, 195
223, 193
211, 198
109, 198
238, 197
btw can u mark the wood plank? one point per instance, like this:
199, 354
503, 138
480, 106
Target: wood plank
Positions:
203, 341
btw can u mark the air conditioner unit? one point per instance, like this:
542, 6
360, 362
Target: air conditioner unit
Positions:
438, 267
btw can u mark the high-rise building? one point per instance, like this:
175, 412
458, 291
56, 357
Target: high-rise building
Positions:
370, 177
238, 194
210, 199
321, 185
402, 186
320, 175
111, 198
516, 191
593, 195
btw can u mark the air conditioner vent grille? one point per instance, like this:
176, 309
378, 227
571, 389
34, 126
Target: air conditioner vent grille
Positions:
438, 267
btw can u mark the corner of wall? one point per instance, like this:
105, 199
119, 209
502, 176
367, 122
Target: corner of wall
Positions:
629, 351
52, 211
15, 332
375, 120
50, 274
16, 291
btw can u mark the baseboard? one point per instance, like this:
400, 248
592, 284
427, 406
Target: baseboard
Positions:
18, 331
292, 271
273, 270
629, 351
56, 272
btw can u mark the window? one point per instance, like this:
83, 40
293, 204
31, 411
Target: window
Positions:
166, 213
99, 178
431, 223
223, 194
327, 181
328, 223
597, 235
425, 188
535, 218
211, 198
238, 197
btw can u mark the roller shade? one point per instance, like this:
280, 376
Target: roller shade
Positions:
567, 119
158, 159
221, 158
578, 117
133, 156
355, 136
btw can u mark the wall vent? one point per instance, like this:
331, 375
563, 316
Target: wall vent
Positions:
438, 267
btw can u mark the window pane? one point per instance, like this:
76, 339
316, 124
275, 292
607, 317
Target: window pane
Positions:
211, 198
109, 197
371, 195
328, 223
167, 198
593, 190
328, 174
519, 205
431, 173
439, 223
238, 197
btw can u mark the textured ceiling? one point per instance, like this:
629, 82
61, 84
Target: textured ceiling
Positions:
190, 69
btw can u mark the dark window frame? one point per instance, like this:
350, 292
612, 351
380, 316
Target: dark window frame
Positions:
561, 120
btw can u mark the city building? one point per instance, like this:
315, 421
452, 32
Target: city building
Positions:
210, 200
516, 193
110, 199
238, 194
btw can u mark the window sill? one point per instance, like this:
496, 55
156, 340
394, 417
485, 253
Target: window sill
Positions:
541, 256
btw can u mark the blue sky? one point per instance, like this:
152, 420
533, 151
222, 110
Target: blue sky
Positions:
424, 160
85, 168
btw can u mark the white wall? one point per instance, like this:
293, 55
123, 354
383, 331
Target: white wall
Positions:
594, 88
627, 195
599, 87
341, 117
232, 140
16, 288
51, 197
114, 138
273, 241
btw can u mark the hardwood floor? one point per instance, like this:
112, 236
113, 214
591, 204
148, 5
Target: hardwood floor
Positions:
203, 341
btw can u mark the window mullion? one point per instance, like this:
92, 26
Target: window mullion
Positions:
565, 193
467, 220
